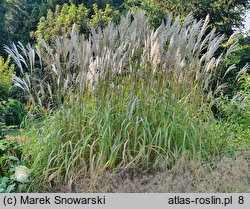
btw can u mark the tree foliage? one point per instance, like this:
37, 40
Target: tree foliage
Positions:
60, 22
18, 18
3, 34
225, 15
6, 78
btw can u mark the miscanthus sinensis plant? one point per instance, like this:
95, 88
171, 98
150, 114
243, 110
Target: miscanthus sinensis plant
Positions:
126, 95
178, 53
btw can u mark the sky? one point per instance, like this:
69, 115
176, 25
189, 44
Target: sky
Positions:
247, 21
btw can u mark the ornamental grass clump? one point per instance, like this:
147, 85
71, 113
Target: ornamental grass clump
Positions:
127, 95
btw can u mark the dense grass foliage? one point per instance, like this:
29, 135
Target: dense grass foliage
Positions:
141, 132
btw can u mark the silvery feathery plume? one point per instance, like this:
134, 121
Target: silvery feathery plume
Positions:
185, 51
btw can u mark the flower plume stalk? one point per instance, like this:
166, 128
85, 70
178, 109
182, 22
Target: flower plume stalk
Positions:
183, 52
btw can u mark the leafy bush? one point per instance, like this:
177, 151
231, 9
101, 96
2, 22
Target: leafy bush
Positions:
60, 22
237, 108
6, 78
235, 111
12, 112
102, 17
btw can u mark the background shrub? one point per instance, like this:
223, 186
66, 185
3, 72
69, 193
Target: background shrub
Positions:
12, 112
6, 78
